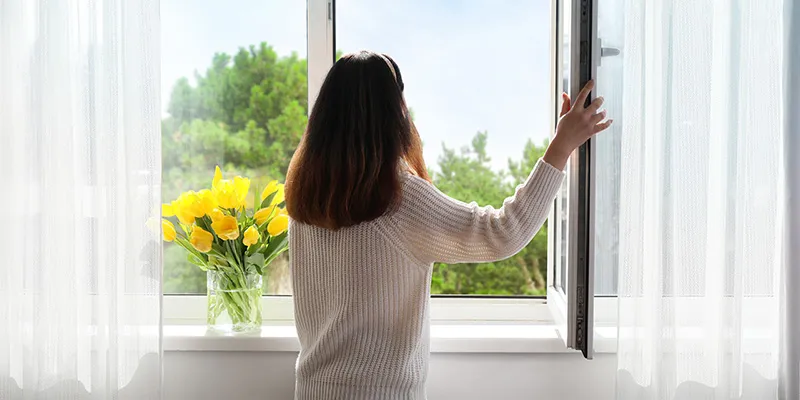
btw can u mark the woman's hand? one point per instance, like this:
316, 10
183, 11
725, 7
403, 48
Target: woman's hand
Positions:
576, 126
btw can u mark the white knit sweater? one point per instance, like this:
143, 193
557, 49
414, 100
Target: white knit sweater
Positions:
361, 293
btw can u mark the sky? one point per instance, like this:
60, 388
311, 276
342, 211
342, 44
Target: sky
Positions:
468, 65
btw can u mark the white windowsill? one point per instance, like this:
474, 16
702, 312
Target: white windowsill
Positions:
464, 338
458, 325
279, 310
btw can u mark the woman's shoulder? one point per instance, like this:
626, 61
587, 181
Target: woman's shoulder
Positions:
412, 185
421, 196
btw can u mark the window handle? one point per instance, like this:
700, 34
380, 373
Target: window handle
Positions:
601, 52
609, 51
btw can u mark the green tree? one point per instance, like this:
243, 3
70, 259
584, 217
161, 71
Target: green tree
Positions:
246, 113
467, 175
533, 258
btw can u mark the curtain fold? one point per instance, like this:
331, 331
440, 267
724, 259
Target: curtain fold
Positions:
80, 167
703, 212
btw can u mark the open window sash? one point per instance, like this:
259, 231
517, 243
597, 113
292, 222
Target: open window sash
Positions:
570, 291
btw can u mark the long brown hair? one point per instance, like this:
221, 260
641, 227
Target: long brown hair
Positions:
347, 167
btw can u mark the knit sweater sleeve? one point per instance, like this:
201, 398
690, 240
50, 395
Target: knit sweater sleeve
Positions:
438, 228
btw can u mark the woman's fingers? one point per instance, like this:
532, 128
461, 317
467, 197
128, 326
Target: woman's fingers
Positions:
584, 94
595, 105
596, 118
565, 104
603, 126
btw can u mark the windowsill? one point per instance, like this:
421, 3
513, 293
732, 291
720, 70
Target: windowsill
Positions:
445, 338
458, 325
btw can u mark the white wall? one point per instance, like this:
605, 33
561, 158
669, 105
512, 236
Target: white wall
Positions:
463, 376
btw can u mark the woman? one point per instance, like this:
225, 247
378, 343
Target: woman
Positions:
367, 224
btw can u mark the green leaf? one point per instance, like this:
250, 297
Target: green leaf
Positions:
217, 263
204, 223
257, 259
196, 261
277, 245
189, 248
276, 254
267, 200
252, 269
218, 248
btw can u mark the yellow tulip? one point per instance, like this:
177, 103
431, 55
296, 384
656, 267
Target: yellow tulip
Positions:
217, 176
187, 207
216, 214
167, 210
241, 186
201, 239
168, 230
230, 193
225, 194
271, 187
279, 197
263, 214
278, 225
250, 236
226, 228
207, 201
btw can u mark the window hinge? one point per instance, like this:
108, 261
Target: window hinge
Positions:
330, 10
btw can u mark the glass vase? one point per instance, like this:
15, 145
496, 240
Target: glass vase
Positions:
234, 302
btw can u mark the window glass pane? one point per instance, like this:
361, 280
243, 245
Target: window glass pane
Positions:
563, 246
477, 78
233, 76
610, 31
562, 204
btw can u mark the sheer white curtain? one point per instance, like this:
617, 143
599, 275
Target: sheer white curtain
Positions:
702, 211
79, 210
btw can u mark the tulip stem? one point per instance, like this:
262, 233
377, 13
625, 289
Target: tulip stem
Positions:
242, 302
237, 257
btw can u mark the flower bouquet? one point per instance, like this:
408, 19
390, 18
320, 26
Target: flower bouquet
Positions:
232, 243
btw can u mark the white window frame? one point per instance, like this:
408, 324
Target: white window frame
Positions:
279, 310
320, 36
576, 308
556, 298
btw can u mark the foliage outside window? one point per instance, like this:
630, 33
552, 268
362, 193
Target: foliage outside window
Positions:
247, 113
